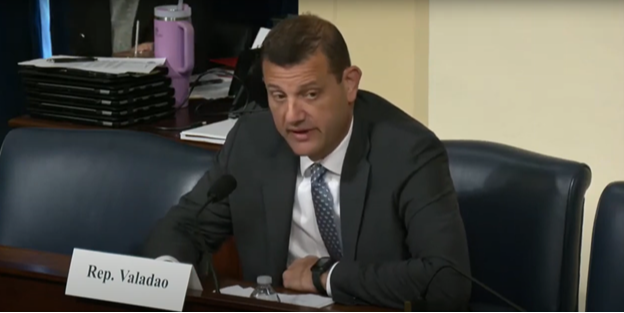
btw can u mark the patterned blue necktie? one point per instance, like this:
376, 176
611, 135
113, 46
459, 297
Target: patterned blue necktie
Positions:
324, 208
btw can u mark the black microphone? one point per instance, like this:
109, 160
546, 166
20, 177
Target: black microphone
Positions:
221, 188
422, 305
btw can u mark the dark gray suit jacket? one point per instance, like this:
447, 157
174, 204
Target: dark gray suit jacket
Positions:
399, 214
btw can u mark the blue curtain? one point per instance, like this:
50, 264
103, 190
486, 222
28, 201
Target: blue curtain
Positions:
20, 40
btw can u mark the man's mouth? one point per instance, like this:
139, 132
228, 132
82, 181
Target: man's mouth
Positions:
300, 131
301, 134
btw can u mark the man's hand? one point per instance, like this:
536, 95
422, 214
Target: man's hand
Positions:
146, 46
144, 50
298, 276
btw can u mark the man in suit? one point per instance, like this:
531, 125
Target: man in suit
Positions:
339, 192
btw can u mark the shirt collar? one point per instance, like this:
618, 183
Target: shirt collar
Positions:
333, 162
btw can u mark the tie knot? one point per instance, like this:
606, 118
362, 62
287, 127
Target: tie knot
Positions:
317, 171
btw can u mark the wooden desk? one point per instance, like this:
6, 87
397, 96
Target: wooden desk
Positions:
183, 118
35, 281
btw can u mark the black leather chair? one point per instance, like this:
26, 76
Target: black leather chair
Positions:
523, 215
96, 189
605, 285
229, 39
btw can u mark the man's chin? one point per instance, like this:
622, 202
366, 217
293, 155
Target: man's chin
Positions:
302, 149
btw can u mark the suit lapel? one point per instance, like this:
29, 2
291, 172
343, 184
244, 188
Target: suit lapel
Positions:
278, 191
354, 186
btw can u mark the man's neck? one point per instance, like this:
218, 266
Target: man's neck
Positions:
335, 144
332, 161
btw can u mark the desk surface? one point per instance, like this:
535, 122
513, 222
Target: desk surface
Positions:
183, 118
35, 281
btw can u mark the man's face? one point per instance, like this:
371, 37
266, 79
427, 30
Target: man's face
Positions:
310, 108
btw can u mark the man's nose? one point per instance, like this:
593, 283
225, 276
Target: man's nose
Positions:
294, 113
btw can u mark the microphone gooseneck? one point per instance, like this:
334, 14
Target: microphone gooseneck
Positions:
472, 279
221, 188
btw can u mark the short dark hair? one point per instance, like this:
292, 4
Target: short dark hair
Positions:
295, 39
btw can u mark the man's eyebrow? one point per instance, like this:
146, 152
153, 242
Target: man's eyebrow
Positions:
302, 87
309, 85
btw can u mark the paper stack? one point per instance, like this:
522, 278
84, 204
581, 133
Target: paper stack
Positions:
307, 300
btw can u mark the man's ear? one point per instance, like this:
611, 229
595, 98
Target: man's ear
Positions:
351, 82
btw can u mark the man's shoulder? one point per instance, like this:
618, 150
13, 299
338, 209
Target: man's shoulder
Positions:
260, 118
392, 128
256, 131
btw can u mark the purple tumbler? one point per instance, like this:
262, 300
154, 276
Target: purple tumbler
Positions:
174, 39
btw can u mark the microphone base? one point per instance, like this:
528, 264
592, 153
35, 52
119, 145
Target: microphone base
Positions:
209, 272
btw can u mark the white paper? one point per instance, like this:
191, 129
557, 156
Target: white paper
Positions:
307, 300
212, 91
214, 133
103, 65
262, 33
237, 291
98, 275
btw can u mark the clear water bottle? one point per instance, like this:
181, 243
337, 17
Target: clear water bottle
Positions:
264, 291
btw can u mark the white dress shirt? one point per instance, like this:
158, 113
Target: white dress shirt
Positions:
305, 238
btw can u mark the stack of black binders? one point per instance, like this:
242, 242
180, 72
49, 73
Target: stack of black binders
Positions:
110, 100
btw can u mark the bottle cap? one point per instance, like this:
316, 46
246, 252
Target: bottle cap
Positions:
264, 280
172, 12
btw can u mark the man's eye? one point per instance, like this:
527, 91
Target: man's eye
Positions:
279, 96
311, 95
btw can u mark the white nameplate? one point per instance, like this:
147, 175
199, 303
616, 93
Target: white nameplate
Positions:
130, 280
